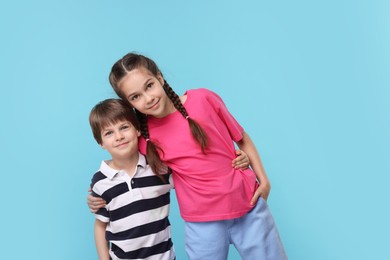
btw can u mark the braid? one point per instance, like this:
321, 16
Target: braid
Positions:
175, 99
152, 149
133, 61
197, 131
143, 125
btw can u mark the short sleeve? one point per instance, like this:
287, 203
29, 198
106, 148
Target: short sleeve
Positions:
102, 213
234, 128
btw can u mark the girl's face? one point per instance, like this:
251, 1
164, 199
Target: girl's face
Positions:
145, 93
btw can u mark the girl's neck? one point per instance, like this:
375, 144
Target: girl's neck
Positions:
183, 99
171, 108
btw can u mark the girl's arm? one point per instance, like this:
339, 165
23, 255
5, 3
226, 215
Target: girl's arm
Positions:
249, 148
95, 203
100, 240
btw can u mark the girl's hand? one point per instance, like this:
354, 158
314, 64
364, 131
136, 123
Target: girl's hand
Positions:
262, 191
95, 203
241, 161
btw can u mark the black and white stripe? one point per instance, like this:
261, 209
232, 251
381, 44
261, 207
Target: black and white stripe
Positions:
136, 212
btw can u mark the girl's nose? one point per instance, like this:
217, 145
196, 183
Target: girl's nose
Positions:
149, 98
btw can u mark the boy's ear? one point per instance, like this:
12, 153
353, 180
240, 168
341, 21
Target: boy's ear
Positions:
102, 146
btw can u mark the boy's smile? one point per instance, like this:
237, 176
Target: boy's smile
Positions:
122, 144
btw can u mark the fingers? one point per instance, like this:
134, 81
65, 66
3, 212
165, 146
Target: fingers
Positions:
95, 203
240, 155
241, 161
91, 199
95, 206
259, 193
255, 198
241, 165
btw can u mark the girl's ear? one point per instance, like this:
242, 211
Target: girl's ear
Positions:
138, 133
160, 78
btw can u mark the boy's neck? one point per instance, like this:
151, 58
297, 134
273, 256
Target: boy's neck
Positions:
126, 164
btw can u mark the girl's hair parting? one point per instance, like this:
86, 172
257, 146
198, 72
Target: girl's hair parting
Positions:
133, 61
110, 111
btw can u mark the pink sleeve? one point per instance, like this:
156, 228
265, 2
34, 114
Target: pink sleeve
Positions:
234, 128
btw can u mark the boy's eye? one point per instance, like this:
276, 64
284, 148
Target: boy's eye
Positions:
149, 85
107, 133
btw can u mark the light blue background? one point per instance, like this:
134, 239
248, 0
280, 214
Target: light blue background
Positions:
309, 80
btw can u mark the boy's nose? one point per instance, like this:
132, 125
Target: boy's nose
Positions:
119, 136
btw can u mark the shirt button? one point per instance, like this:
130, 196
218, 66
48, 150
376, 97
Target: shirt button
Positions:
132, 181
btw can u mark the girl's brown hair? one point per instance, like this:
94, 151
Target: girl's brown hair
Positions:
134, 61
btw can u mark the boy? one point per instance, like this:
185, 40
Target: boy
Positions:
135, 220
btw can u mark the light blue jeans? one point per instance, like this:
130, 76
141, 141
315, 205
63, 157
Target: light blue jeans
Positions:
254, 235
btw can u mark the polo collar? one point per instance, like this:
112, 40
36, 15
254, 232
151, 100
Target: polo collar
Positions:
141, 160
110, 172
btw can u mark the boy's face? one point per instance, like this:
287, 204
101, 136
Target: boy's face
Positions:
120, 139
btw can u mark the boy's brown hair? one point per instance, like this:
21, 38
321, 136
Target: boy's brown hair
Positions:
110, 111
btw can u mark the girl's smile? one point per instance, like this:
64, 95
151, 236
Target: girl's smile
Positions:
154, 106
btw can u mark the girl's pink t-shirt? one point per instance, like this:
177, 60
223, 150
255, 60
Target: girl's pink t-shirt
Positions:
208, 188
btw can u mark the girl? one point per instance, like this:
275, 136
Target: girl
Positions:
193, 134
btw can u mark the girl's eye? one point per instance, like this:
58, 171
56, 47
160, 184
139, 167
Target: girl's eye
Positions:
134, 97
149, 85
124, 127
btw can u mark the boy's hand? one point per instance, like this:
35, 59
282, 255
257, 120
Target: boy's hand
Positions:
241, 161
262, 191
95, 203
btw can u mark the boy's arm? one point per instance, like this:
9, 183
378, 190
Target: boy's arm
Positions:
100, 240
249, 148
